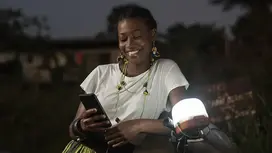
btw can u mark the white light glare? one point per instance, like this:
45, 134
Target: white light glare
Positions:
187, 109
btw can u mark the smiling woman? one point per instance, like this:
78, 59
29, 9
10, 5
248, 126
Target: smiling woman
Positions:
134, 92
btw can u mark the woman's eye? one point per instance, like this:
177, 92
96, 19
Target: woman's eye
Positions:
137, 37
122, 39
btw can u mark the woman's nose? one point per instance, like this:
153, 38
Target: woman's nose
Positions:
130, 42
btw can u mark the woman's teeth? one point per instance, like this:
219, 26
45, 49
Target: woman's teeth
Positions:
132, 53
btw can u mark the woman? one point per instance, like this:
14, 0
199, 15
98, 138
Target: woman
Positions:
136, 90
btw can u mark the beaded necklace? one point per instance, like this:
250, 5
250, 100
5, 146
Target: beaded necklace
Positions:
122, 85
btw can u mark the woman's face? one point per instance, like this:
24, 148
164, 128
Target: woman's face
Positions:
135, 40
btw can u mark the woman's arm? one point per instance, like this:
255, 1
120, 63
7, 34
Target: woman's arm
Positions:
152, 126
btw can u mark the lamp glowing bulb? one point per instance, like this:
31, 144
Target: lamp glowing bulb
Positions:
189, 114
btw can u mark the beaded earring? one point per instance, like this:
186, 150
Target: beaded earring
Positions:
120, 58
155, 52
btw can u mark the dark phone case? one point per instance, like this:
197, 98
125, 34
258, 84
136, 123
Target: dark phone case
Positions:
91, 101
97, 140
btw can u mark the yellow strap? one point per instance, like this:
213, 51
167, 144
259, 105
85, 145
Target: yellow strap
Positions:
80, 149
85, 149
67, 147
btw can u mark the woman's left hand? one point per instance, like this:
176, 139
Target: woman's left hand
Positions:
122, 133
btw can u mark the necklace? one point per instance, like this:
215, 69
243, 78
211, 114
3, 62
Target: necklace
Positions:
122, 85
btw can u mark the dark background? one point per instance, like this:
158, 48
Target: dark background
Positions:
227, 63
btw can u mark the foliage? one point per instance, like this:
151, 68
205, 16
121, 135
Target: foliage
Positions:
253, 55
247, 4
196, 36
195, 47
18, 30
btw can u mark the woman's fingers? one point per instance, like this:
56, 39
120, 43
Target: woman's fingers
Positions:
117, 141
121, 143
111, 131
88, 113
95, 123
93, 119
98, 124
109, 137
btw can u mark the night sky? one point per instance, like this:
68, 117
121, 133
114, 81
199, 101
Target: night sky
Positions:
74, 18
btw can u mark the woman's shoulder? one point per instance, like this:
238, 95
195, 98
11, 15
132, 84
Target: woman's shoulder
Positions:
106, 67
166, 63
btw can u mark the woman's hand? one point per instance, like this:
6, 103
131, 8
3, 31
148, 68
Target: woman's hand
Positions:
122, 133
91, 122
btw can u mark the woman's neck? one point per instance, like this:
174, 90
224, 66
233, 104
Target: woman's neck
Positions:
136, 69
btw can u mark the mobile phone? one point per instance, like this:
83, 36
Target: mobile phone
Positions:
91, 101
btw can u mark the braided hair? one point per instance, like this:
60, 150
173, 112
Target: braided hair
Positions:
127, 11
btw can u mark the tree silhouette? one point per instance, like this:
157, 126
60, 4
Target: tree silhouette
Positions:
253, 55
261, 5
194, 47
18, 30
255, 24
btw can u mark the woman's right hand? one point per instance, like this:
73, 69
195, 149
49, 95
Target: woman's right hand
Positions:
91, 122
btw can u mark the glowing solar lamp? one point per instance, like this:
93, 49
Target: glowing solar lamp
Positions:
189, 116
190, 123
